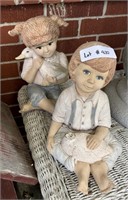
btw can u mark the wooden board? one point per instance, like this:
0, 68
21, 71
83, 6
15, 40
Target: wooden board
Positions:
16, 163
7, 190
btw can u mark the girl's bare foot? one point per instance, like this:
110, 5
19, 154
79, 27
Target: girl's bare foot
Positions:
27, 107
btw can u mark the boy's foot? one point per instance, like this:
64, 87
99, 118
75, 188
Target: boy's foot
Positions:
108, 188
82, 188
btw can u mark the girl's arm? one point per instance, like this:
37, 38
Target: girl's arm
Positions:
53, 80
63, 77
55, 126
61, 68
31, 73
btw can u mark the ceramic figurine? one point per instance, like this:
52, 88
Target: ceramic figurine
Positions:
79, 135
48, 70
27, 53
58, 72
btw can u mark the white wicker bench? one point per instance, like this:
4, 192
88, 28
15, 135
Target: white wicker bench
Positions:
56, 182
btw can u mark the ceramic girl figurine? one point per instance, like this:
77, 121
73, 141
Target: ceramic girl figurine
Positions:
57, 72
79, 135
40, 35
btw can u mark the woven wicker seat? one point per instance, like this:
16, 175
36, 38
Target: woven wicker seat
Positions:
56, 182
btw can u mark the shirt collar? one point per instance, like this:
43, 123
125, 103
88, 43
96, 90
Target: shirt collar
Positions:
83, 99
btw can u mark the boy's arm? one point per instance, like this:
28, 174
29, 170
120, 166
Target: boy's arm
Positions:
93, 141
104, 123
101, 132
55, 126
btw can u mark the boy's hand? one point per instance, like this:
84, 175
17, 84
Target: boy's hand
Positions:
93, 141
50, 144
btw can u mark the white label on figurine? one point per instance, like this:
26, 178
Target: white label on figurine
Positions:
97, 52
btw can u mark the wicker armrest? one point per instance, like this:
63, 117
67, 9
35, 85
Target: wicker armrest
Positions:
37, 123
56, 182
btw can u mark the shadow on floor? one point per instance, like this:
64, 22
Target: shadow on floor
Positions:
25, 191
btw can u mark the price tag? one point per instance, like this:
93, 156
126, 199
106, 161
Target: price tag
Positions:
97, 52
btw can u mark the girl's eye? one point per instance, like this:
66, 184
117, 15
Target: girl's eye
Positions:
38, 47
50, 43
87, 72
99, 78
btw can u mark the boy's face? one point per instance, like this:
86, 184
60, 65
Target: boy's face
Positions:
46, 50
88, 80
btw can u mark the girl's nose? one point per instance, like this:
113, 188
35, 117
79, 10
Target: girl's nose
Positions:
45, 49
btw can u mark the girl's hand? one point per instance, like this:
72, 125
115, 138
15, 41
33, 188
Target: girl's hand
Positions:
38, 62
51, 79
45, 83
50, 144
93, 141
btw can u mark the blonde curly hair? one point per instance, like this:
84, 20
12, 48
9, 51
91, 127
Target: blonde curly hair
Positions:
38, 30
99, 64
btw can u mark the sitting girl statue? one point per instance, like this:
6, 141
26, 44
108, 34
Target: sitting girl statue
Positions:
40, 35
79, 135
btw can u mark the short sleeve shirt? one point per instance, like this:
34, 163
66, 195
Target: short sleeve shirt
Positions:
82, 113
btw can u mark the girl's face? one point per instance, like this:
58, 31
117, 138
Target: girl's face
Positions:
88, 80
46, 50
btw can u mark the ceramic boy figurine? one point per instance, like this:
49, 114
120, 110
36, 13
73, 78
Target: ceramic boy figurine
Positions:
79, 135
40, 35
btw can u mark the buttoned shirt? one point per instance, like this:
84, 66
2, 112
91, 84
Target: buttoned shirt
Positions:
82, 113
54, 66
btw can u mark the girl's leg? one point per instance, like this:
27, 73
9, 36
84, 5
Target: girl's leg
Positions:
38, 99
27, 107
47, 105
99, 170
82, 171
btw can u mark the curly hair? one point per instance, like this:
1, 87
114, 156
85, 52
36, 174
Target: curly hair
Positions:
38, 30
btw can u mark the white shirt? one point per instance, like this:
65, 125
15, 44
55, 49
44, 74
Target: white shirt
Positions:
54, 66
82, 113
